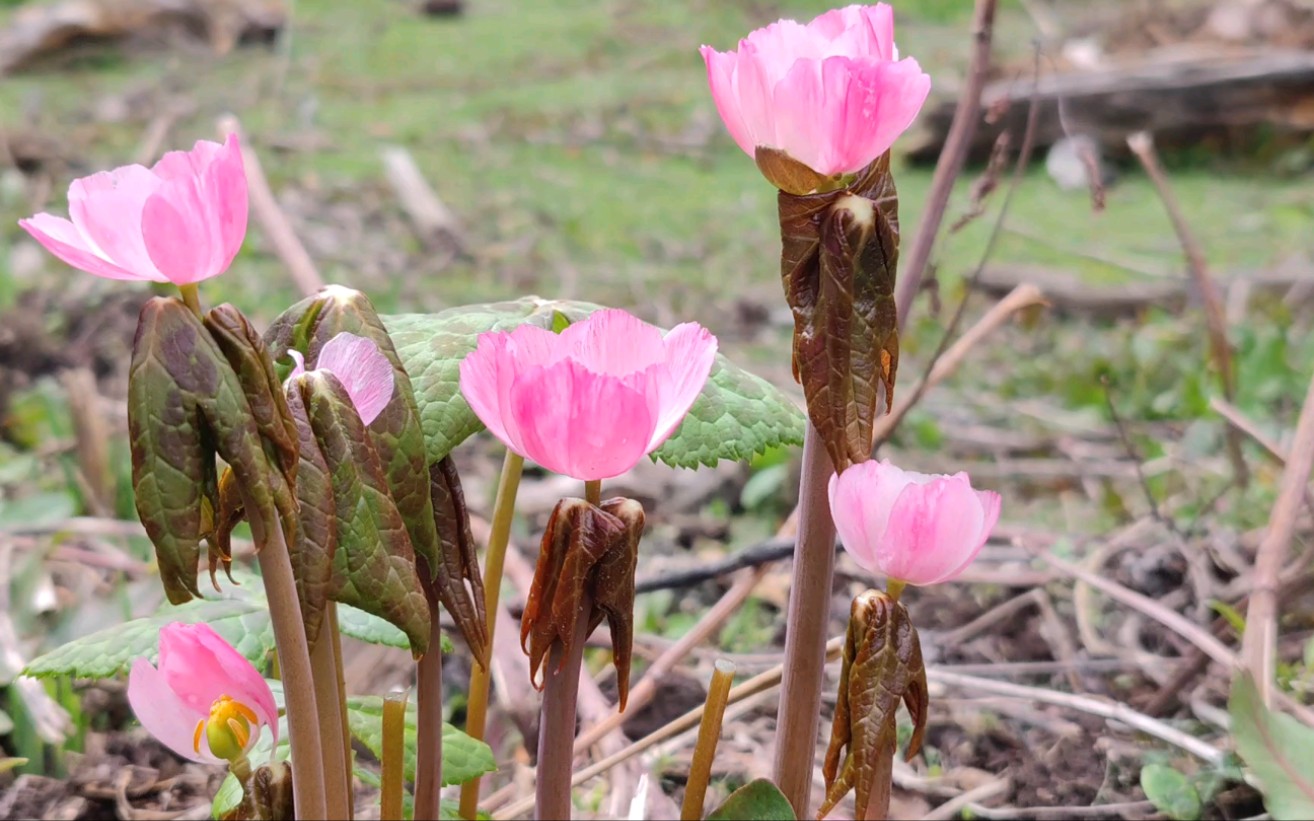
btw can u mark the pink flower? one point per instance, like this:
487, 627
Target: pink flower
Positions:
833, 94
914, 527
203, 700
360, 366
591, 401
181, 221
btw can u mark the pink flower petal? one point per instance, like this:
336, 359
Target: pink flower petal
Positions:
575, 422
107, 210
199, 667
61, 238
487, 374
162, 712
721, 79
226, 197
690, 352
860, 502
613, 342
362, 369
934, 530
175, 225
244, 684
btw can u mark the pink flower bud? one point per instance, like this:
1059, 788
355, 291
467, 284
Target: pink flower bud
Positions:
913, 527
203, 699
181, 221
591, 401
833, 94
360, 366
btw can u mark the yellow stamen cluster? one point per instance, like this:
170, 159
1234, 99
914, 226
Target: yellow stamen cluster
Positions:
227, 730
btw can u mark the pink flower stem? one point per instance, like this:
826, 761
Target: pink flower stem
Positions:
191, 297
476, 713
556, 724
805, 637
294, 663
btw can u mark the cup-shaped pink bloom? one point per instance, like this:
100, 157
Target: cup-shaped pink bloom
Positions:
360, 366
201, 695
832, 94
591, 401
913, 527
180, 221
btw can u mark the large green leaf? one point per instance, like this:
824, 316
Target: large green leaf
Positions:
367, 627
737, 415
242, 619
464, 758
758, 800
1277, 748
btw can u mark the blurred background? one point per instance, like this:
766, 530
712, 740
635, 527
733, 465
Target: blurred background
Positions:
439, 153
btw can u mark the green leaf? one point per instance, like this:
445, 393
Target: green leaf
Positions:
227, 798
736, 416
363, 626
1277, 748
464, 758
758, 800
242, 619
1171, 792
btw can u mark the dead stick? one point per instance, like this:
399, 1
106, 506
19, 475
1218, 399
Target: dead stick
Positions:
952, 157
1023, 296
272, 220
1259, 644
1142, 145
1246, 425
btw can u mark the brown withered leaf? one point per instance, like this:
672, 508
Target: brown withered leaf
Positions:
882, 666
459, 569
185, 405
838, 262
220, 539
588, 552
373, 563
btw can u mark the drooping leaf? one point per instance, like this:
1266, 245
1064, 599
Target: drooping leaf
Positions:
396, 432
362, 626
464, 758
736, 416
838, 263
242, 619
1171, 792
587, 551
317, 534
882, 666
758, 800
1277, 748
185, 405
374, 564
458, 583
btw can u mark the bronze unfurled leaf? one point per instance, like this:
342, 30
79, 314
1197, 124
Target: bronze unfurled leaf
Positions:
271, 792
882, 666
838, 262
458, 584
185, 405
373, 562
588, 555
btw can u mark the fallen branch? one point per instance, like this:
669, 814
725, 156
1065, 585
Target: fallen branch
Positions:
435, 224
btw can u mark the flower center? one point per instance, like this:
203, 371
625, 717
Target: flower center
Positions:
227, 730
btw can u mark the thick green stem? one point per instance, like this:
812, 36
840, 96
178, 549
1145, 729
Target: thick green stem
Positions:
349, 773
500, 534
805, 636
324, 665
894, 588
294, 664
709, 733
391, 763
556, 722
429, 732
191, 297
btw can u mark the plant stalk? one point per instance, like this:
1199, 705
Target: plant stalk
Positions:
499, 535
593, 491
347, 760
805, 637
191, 297
709, 733
429, 719
294, 664
390, 773
328, 705
556, 723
